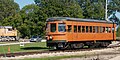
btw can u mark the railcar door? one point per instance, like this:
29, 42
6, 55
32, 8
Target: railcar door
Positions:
75, 33
69, 33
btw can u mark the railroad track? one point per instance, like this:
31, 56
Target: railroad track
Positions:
54, 51
48, 51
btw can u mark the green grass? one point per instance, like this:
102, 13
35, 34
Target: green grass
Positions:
8, 42
37, 46
54, 58
3, 42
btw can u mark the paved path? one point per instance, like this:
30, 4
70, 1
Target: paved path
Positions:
14, 43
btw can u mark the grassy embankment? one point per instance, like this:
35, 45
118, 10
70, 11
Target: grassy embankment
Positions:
37, 46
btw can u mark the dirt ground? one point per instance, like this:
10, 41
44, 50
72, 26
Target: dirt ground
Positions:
99, 57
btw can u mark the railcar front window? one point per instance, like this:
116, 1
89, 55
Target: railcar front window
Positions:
53, 27
61, 27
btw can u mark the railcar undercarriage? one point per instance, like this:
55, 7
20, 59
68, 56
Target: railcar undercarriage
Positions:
74, 45
8, 38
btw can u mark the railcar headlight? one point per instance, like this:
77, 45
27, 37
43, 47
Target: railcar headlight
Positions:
51, 37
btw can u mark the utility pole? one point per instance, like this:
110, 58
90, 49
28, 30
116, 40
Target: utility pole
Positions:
106, 10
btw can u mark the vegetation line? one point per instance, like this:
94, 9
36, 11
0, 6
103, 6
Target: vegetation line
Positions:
31, 19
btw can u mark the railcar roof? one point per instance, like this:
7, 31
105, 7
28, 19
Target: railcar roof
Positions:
76, 19
5, 26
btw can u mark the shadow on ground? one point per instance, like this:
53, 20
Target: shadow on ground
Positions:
34, 48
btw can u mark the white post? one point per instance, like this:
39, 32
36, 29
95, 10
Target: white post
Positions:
22, 43
106, 11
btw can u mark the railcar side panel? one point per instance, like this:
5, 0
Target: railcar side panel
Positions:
87, 36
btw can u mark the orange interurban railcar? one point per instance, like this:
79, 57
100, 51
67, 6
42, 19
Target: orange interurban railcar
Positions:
65, 32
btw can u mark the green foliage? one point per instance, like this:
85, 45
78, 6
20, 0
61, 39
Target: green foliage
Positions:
30, 20
35, 15
92, 8
14, 20
118, 32
114, 5
8, 8
60, 8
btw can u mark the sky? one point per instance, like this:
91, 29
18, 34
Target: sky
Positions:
22, 3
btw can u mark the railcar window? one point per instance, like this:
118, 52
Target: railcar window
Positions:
79, 28
96, 29
75, 28
53, 27
69, 28
9, 29
61, 27
90, 29
101, 29
93, 29
86, 29
113, 29
107, 30
83, 29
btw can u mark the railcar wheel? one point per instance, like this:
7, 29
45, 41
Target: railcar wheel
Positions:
55, 47
16, 38
105, 44
95, 45
77, 45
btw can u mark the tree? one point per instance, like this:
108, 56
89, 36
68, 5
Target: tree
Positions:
60, 8
114, 5
92, 8
87, 8
52, 8
31, 19
99, 10
8, 8
118, 32
32, 23
14, 20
